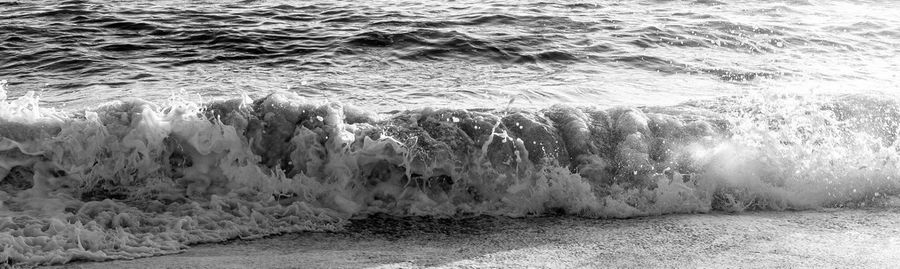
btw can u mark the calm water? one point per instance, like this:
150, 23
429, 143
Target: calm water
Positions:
390, 55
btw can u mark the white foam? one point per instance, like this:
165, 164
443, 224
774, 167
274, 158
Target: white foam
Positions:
132, 179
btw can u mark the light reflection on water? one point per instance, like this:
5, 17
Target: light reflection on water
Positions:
399, 55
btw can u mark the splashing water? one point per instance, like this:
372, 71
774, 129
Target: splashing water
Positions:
132, 178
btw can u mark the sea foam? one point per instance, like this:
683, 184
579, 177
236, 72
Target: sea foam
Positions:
134, 178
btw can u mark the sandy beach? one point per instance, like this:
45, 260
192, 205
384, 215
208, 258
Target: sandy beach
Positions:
843, 238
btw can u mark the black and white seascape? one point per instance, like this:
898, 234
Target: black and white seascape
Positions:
131, 129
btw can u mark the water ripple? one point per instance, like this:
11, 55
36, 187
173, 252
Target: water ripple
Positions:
49, 43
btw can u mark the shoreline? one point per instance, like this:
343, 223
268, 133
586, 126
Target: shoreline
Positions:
824, 238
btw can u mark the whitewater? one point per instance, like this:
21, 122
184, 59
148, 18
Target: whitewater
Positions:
131, 130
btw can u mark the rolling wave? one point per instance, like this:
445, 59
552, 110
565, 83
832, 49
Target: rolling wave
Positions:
132, 178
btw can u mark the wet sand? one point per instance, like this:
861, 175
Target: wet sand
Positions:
811, 239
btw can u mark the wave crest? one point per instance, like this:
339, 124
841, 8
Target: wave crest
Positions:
133, 178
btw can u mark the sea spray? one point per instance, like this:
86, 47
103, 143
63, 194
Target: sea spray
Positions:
133, 178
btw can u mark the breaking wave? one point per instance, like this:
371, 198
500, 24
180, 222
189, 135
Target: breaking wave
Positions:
133, 178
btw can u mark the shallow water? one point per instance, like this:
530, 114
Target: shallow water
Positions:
130, 129
842, 238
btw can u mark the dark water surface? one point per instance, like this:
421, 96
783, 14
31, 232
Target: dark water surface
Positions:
435, 53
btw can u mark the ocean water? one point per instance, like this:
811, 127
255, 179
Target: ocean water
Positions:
134, 128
